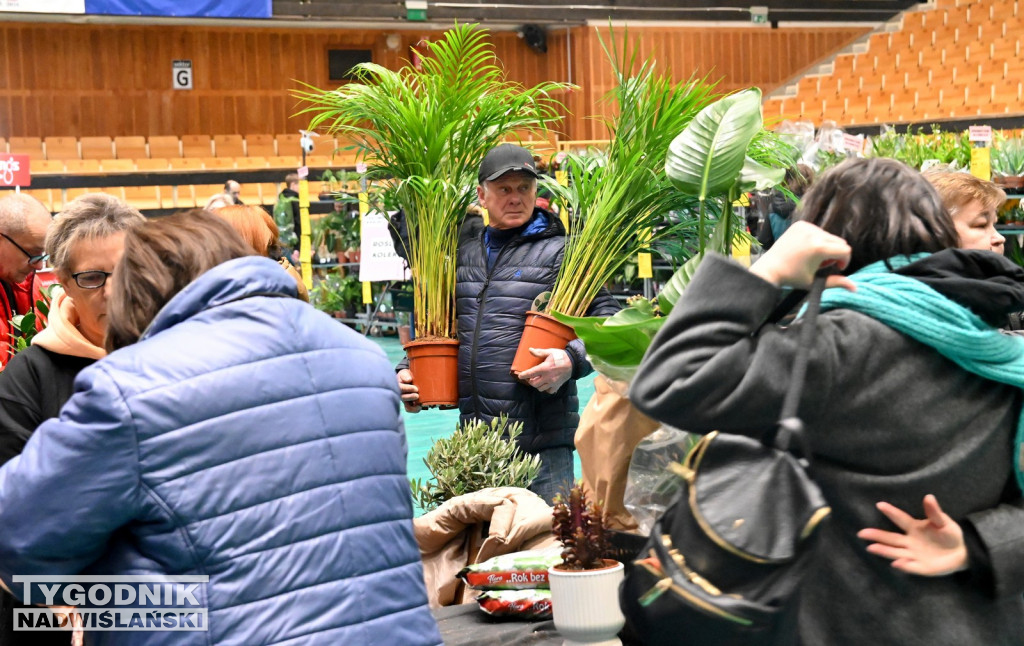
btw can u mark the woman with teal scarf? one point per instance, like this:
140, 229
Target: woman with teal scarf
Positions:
912, 406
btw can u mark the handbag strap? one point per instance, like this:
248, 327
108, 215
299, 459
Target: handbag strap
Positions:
790, 427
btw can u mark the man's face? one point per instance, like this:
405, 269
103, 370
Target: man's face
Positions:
976, 227
14, 263
509, 200
234, 189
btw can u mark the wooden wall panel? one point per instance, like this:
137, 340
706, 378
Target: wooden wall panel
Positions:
84, 80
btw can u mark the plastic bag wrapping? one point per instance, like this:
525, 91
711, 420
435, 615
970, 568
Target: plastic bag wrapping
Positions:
650, 485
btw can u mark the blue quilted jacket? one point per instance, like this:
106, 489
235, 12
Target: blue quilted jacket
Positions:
246, 437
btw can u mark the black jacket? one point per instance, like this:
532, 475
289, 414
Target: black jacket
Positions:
887, 418
33, 388
491, 307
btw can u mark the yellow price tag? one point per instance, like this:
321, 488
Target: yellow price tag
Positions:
644, 268
562, 177
981, 163
487, 218
305, 250
367, 293
364, 203
741, 251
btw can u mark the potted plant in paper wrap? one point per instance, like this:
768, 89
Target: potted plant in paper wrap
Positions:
425, 128
585, 585
619, 201
722, 153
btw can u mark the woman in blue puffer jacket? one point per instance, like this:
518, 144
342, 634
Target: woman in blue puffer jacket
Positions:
237, 434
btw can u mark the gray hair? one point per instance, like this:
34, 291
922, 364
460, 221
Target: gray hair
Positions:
14, 211
89, 217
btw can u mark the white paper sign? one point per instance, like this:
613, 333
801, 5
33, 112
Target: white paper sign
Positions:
182, 75
43, 6
980, 133
378, 260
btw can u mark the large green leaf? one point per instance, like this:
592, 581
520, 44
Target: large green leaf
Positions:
755, 176
620, 340
706, 158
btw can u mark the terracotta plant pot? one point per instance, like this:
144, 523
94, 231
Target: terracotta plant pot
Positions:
1014, 182
585, 604
540, 331
434, 364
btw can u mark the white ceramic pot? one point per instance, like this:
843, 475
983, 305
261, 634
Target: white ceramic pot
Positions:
585, 604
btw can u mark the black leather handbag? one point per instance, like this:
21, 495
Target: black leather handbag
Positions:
724, 564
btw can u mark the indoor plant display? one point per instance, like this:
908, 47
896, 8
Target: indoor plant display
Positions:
427, 127
722, 153
619, 202
1008, 164
585, 586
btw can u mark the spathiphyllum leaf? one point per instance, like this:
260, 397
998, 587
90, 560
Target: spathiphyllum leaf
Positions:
706, 158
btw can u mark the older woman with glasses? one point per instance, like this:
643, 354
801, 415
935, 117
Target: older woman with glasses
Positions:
84, 243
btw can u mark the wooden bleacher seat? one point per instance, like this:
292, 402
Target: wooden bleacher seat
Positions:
260, 146
156, 163
142, 197
82, 165
228, 146
288, 144
117, 165
319, 161
44, 195
3, 144
97, 147
268, 193
130, 148
46, 166
251, 162
218, 162
196, 146
61, 148
185, 198
186, 163
167, 146
290, 163
203, 192
31, 146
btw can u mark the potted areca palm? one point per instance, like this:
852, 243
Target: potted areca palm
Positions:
619, 201
722, 153
425, 128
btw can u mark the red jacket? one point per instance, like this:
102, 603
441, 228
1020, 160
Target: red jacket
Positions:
25, 296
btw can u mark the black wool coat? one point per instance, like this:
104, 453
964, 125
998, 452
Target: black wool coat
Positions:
888, 419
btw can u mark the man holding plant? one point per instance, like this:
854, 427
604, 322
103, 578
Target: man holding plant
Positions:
502, 268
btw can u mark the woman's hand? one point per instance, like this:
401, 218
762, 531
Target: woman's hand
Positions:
932, 546
799, 253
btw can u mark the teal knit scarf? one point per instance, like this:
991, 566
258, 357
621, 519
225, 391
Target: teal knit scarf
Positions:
915, 309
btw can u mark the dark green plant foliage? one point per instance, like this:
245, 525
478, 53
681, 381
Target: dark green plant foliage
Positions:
478, 455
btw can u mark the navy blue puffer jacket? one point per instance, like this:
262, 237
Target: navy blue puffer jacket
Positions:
491, 306
246, 437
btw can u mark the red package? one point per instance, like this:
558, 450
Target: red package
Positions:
520, 604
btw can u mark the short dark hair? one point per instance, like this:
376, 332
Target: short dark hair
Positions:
162, 256
291, 178
881, 207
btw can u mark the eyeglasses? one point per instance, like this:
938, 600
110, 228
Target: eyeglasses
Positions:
31, 259
92, 279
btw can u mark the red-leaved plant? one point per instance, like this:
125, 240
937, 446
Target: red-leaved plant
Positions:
579, 526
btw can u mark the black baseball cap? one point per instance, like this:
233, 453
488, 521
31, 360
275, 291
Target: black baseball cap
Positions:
506, 158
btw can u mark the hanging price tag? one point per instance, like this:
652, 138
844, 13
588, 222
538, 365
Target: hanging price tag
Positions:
644, 268
367, 294
981, 163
